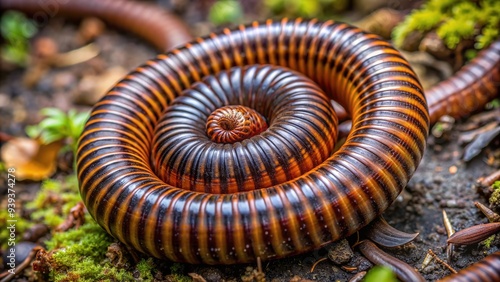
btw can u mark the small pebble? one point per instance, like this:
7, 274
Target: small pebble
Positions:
22, 251
340, 252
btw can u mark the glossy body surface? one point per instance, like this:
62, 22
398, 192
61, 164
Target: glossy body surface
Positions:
334, 198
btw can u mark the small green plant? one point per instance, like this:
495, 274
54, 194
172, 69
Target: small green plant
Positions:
321, 9
17, 30
380, 273
58, 125
494, 104
225, 11
487, 242
454, 21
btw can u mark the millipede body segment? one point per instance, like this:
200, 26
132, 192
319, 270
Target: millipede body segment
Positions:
217, 203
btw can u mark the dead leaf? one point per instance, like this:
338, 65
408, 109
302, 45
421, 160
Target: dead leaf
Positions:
482, 140
31, 159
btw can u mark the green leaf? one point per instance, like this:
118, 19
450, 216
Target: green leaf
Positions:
33, 131
14, 26
48, 137
15, 54
16, 29
380, 273
77, 123
225, 11
53, 123
53, 112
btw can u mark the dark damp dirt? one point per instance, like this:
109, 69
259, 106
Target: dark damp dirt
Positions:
442, 181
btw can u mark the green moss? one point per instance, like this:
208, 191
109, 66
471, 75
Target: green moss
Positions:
487, 243
81, 253
78, 254
55, 200
145, 268
454, 21
177, 273
495, 196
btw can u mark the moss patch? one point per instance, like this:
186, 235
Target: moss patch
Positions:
81, 254
55, 200
453, 21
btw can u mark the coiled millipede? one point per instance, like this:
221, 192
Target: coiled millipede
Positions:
305, 200
151, 176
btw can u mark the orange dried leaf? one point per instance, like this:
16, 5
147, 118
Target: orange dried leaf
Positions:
31, 159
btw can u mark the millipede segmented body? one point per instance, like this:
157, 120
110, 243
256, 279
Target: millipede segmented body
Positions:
485, 270
332, 197
215, 202
470, 89
159, 27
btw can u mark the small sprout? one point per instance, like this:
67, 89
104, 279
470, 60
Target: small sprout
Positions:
322, 9
496, 185
494, 104
380, 273
17, 30
471, 54
487, 243
58, 125
225, 11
